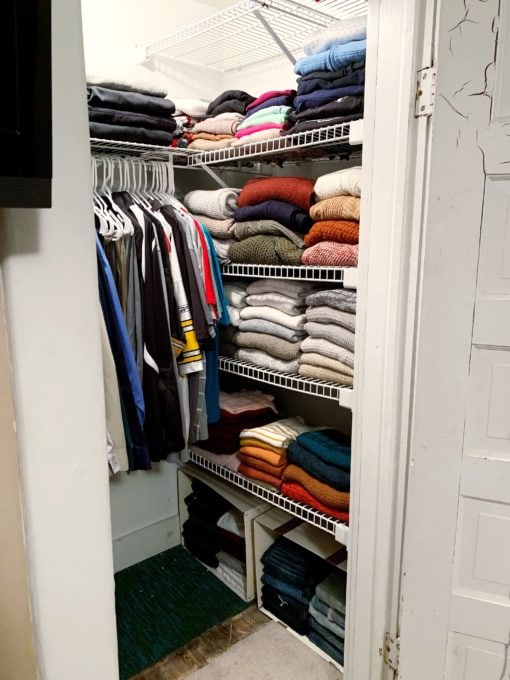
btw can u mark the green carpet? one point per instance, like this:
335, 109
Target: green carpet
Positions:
165, 602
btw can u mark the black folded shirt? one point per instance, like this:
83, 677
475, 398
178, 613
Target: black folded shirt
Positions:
313, 84
344, 106
126, 133
333, 75
104, 98
131, 119
230, 98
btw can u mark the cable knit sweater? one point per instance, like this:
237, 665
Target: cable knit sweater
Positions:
328, 349
277, 347
222, 229
331, 254
331, 315
335, 334
278, 301
337, 208
339, 183
218, 204
265, 250
319, 360
341, 231
339, 298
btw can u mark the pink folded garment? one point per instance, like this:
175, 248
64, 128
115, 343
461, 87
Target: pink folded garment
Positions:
258, 128
268, 95
262, 136
230, 461
331, 254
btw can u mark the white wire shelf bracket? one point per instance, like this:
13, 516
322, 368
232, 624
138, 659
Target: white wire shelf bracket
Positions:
342, 394
329, 141
301, 273
145, 152
241, 35
305, 512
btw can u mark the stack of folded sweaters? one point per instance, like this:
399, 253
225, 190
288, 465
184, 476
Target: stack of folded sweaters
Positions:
269, 212
214, 210
223, 116
327, 615
270, 324
238, 411
333, 239
331, 86
290, 577
263, 451
266, 117
129, 114
318, 473
236, 294
188, 112
328, 351
214, 534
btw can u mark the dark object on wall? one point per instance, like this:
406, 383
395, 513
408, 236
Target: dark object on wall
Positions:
25, 113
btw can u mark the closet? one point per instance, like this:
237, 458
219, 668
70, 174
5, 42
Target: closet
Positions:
155, 171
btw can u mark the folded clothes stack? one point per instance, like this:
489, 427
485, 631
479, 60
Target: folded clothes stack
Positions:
272, 214
223, 115
212, 526
238, 411
331, 85
188, 112
328, 351
263, 451
121, 112
271, 324
266, 118
327, 615
236, 294
290, 578
215, 210
333, 239
318, 473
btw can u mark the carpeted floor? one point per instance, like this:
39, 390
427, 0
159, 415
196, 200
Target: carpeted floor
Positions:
165, 602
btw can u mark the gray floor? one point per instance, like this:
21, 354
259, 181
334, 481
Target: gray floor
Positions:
272, 653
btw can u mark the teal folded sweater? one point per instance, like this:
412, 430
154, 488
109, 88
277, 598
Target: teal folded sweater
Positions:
329, 445
273, 114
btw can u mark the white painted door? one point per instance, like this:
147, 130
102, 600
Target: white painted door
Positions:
455, 596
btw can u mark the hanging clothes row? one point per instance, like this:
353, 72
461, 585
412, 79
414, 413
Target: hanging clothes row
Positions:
162, 299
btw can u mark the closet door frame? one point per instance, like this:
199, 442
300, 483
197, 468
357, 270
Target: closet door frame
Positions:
394, 164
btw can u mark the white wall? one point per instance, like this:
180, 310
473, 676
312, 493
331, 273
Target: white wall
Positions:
48, 265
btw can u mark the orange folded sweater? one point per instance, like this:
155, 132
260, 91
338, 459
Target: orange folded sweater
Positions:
260, 476
300, 494
295, 190
341, 231
252, 441
263, 454
259, 464
324, 493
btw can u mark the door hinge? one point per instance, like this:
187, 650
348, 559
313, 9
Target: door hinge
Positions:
425, 91
391, 651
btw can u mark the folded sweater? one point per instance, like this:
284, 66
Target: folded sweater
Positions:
224, 124
341, 231
278, 433
259, 136
339, 298
300, 494
228, 96
298, 191
276, 460
276, 347
270, 250
339, 183
263, 326
260, 476
329, 445
219, 204
336, 477
295, 322
260, 358
321, 97
208, 145
281, 100
269, 114
284, 212
222, 229
338, 33
278, 125
333, 58
293, 289
122, 100
331, 254
270, 94
324, 314
336, 208
335, 334
278, 301
320, 361
320, 373
262, 465
328, 349
324, 493
243, 230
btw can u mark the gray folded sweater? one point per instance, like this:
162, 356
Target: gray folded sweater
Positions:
263, 326
339, 298
277, 347
335, 334
243, 230
328, 349
325, 314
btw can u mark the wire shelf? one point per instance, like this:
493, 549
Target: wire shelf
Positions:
145, 152
342, 394
302, 273
235, 37
305, 512
331, 141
